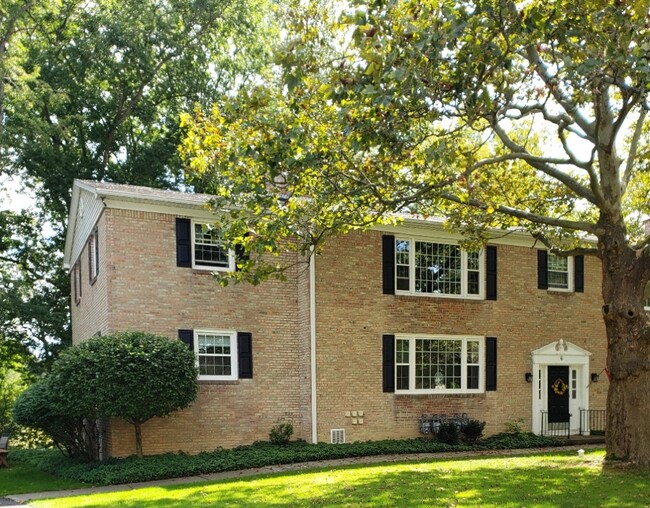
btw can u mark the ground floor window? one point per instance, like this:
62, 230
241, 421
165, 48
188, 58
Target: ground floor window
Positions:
439, 364
216, 354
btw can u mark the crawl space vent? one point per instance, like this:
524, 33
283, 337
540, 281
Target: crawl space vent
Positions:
338, 436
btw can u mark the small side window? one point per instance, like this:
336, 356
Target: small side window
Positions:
93, 257
76, 278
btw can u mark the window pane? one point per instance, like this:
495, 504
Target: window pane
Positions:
208, 247
558, 272
402, 377
402, 265
214, 355
646, 295
437, 268
472, 377
438, 363
402, 351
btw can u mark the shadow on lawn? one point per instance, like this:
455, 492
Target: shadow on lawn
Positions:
557, 484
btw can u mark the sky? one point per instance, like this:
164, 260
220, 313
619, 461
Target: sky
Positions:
12, 197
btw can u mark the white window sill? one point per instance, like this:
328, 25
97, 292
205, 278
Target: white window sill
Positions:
449, 391
440, 295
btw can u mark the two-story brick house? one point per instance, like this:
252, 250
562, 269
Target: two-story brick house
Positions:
383, 327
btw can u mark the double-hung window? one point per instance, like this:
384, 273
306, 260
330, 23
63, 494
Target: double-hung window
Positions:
560, 271
209, 251
437, 268
216, 354
93, 257
439, 364
76, 279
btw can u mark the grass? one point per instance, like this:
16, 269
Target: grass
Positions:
546, 480
21, 478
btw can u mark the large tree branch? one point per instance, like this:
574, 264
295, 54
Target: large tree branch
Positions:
578, 251
551, 81
544, 166
634, 147
529, 216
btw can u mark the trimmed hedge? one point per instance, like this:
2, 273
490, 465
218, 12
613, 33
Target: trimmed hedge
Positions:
173, 465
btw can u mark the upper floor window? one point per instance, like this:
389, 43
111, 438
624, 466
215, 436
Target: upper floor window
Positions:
216, 354
559, 271
439, 364
209, 250
93, 256
434, 268
76, 281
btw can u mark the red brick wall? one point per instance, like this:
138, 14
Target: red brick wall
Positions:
90, 315
353, 314
149, 292
143, 289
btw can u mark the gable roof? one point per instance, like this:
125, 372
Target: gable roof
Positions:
89, 198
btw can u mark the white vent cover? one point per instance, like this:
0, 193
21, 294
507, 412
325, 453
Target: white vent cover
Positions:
338, 436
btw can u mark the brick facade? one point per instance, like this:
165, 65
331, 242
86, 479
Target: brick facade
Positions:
140, 288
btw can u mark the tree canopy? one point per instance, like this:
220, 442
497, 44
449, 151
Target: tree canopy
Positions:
94, 90
492, 113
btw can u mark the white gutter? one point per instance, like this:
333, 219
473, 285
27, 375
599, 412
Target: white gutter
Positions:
312, 342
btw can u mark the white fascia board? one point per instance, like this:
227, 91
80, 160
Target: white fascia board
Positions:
434, 227
72, 226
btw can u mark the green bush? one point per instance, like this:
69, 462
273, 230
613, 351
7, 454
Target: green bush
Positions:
471, 431
131, 375
508, 441
34, 408
281, 433
448, 433
136, 469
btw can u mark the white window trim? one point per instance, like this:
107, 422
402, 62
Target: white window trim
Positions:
463, 291
93, 258
570, 276
234, 370
211, 268
444, 391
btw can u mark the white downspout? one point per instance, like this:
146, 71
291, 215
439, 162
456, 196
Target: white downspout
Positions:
312, 342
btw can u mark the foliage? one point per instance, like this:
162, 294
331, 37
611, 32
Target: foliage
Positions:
281, 433
508, 441
496, 114
35, 408
448, 433
135, 469
131, 375
515, 426
94, 90
471, 431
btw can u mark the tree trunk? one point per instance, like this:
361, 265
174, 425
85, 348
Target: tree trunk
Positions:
628, 352
138, 438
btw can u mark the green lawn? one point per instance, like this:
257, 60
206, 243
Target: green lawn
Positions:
22, 478
552, 480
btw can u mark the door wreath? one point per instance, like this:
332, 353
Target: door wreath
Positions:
559, 387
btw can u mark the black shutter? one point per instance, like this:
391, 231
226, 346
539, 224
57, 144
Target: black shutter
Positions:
240, 254
183, 242
542, 269
245, 354
491, 272
187, 336
490, 364
388, 256
388, 362
579, 273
